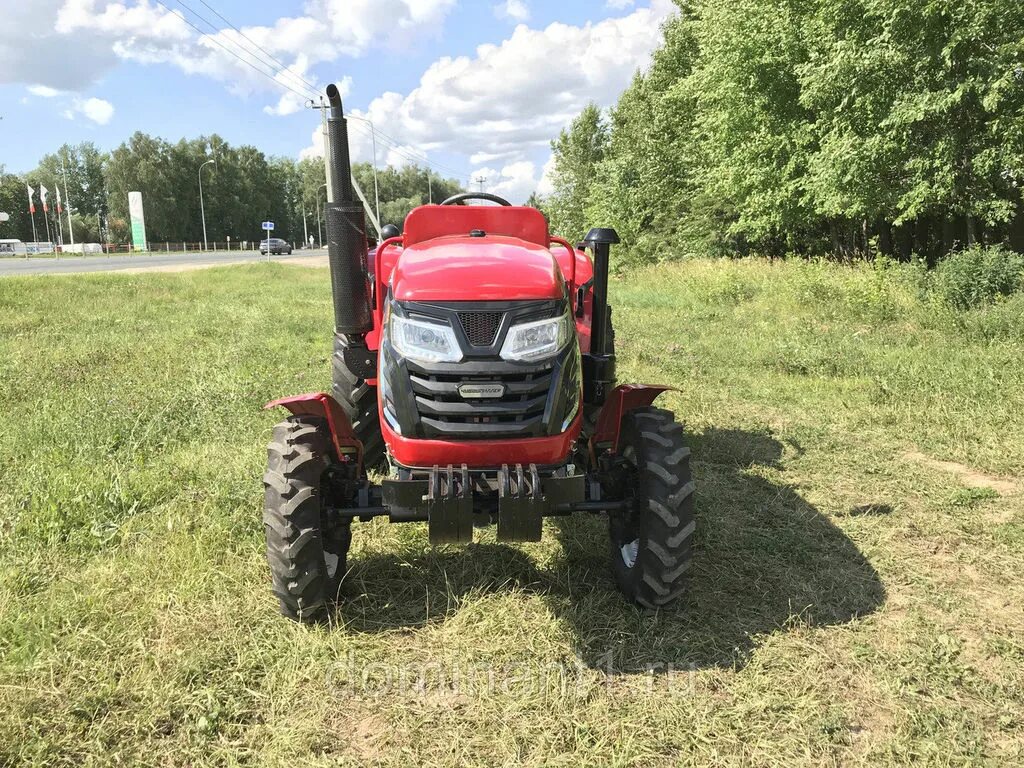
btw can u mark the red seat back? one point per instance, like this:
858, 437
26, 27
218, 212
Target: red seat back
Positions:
430, 221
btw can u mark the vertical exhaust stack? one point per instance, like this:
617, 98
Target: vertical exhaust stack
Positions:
599, 364
346, 229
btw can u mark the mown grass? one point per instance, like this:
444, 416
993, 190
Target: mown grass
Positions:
851, 601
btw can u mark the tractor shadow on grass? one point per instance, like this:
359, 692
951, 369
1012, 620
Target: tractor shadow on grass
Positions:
764, 560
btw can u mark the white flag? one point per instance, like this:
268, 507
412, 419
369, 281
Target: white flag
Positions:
59, 208
31, 202
43, 192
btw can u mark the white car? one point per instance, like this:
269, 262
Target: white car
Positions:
11, 247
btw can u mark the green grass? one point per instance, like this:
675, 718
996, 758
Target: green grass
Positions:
852, 601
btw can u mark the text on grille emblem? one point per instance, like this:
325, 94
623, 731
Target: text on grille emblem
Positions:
481, 391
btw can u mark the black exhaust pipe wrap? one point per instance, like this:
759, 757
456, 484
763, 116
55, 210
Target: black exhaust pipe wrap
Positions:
599, 363
346, 230
601, 241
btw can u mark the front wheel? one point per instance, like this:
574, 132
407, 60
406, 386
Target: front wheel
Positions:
651, 541
307, 546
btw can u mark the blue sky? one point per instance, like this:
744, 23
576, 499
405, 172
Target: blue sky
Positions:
478, 87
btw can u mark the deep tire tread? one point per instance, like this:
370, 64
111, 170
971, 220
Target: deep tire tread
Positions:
663, 509
297, 457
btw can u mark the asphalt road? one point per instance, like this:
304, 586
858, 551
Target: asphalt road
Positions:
71, 264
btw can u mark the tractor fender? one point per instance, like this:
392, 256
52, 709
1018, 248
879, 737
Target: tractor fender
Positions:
621, 400
321, 405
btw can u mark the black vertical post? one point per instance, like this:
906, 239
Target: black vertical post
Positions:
346, 230
599, 364
601, 240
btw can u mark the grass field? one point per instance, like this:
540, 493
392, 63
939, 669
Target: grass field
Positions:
858, 586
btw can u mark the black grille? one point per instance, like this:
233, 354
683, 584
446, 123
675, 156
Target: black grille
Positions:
445, 412
481, 327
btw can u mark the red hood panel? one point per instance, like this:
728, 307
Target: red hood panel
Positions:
476, 269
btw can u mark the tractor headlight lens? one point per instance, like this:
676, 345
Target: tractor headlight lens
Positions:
427, 342
537, 340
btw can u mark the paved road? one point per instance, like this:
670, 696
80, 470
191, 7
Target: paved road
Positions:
72, 264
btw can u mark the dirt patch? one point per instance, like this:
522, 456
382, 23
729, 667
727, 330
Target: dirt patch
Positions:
969, 477
360, 736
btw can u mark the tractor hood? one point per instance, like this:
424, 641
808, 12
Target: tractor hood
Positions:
491, 268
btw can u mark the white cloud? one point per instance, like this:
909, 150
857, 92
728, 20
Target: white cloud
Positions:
546, 184
358, 25
517, 10
501, 107
44, 91
86, 38
98, 111
32, 52
143, 21
620, 5
515, 181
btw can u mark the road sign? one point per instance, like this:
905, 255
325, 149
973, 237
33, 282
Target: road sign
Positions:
268, 226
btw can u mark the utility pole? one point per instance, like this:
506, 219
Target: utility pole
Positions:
327, 152
373, 139
305, 230
202, 205
319, 229
481, 180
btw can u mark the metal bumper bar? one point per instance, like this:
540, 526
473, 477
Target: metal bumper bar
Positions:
446, 500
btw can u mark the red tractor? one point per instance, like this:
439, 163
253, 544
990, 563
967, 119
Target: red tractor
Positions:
474, 363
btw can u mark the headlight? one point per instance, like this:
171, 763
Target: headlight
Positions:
427, 342
537, 340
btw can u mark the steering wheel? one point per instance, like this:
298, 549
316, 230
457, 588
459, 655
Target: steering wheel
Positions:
462, 198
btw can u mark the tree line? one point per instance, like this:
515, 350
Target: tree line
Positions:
842, 127
241, 189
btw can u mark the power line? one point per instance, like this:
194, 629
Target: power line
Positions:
263, 50
389, 141
275, 70
411, 155
397, 147
400, 148
228, 50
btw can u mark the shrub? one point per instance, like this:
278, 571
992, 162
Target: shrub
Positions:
978, 276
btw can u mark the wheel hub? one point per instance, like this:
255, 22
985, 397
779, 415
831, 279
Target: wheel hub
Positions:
629, 552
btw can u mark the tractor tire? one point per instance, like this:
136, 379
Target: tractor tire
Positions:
306, 550
651, 542
359, 401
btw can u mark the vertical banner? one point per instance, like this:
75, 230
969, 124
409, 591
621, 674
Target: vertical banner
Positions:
138, 221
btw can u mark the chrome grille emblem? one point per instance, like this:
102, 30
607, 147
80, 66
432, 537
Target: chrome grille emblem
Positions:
481, 391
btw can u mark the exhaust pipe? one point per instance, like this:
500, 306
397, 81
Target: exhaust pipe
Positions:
346, 229
599, 364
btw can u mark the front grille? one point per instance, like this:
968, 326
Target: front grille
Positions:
519, 412
481, 327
